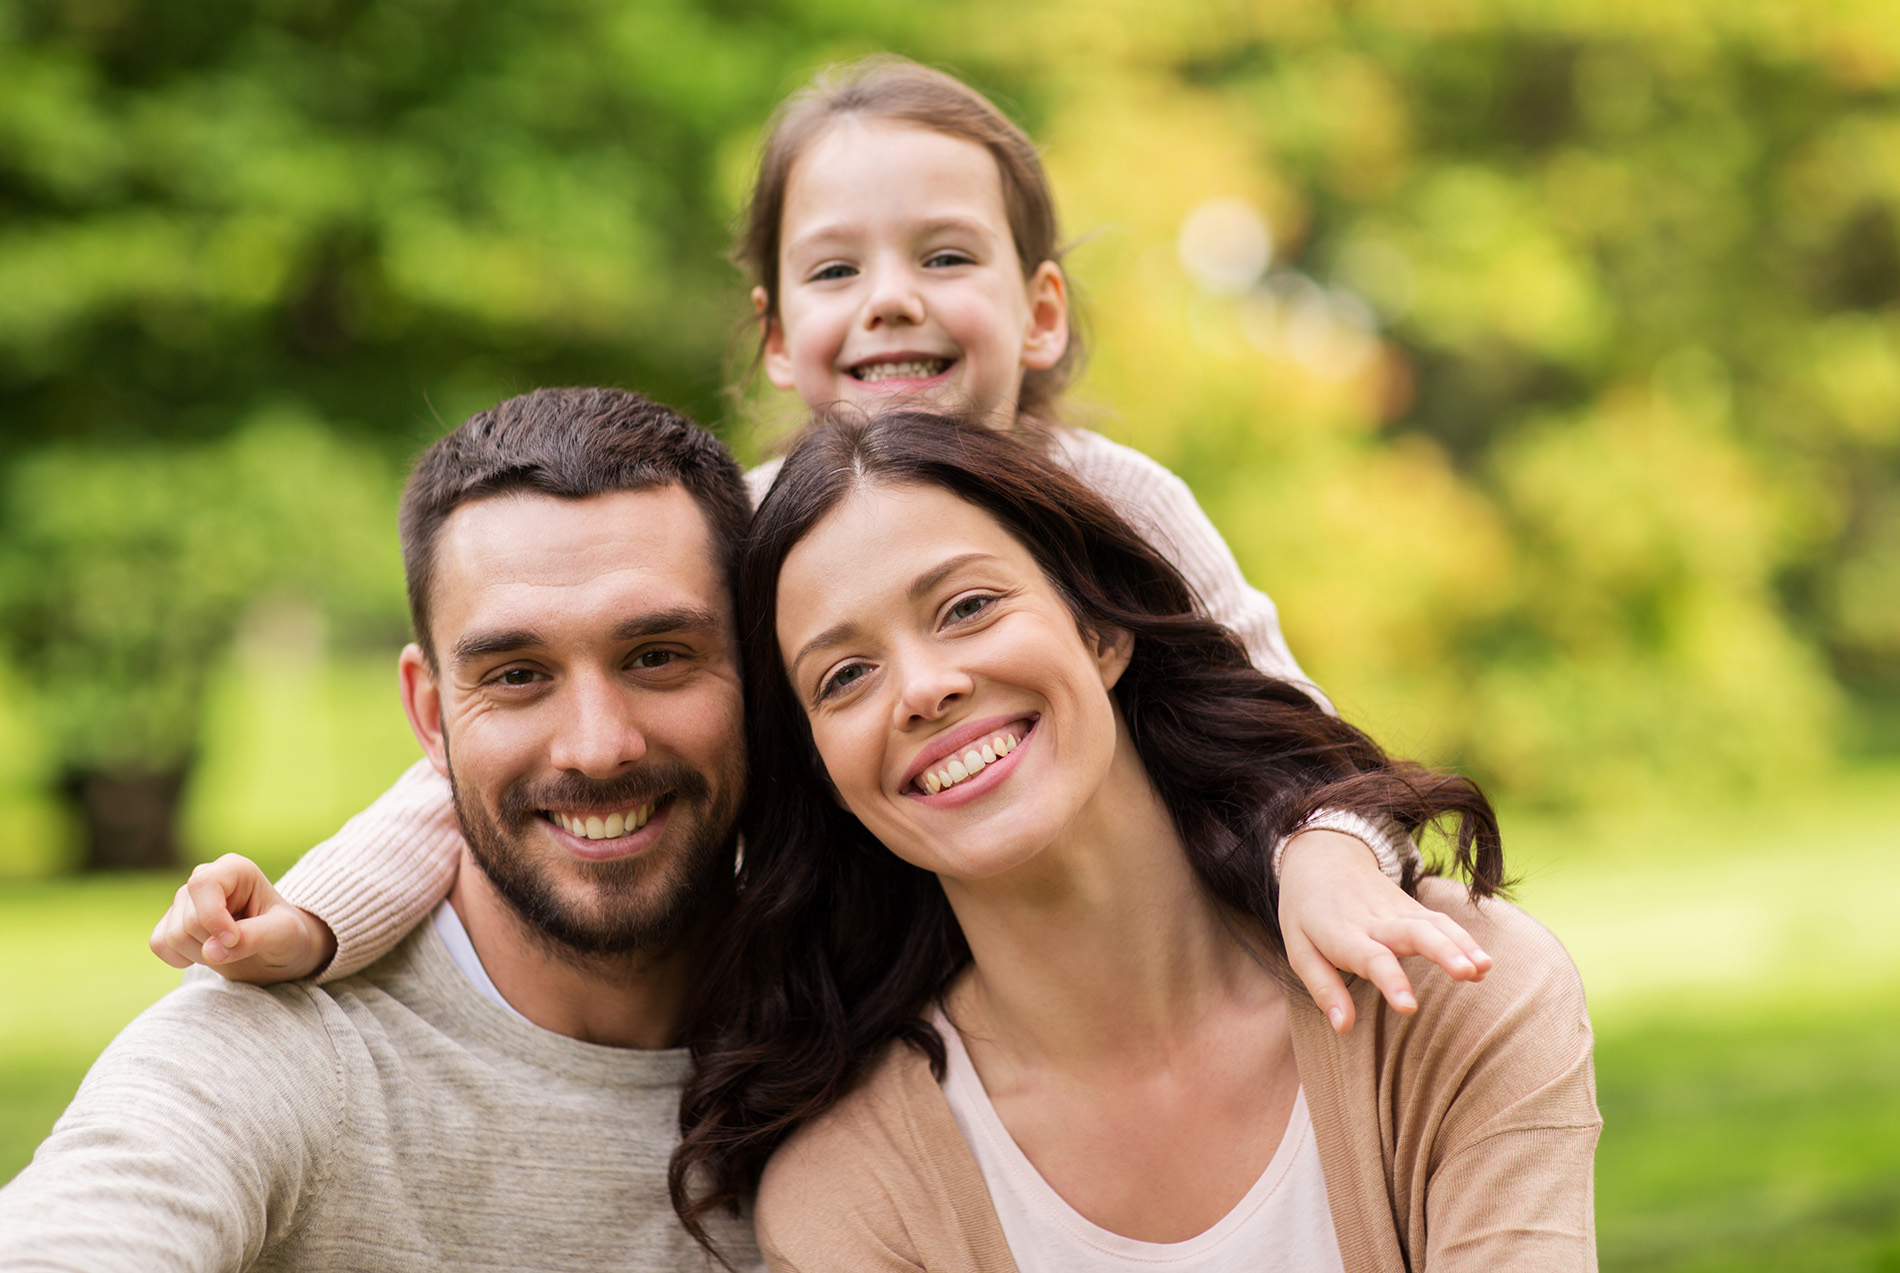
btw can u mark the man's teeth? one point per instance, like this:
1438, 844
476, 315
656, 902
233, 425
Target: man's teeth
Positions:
916, 369
593, 826
968, 765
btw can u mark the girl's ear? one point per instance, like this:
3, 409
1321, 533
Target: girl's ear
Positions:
1046, 338
778, 362
1114, 647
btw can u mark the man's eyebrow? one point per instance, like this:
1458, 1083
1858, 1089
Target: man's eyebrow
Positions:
922, 584
481, 645
684, 620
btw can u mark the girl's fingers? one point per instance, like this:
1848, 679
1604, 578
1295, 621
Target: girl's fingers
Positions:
1322, 981
1419, 936
1480, 961
1382, 970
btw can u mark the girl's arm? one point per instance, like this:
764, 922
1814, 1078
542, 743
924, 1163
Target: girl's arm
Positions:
342, 907
1165, 510
1339, 907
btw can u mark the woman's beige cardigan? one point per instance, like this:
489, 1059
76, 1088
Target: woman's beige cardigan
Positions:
1459, 1138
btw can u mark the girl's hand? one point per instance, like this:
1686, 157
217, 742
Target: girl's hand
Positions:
1339, 911
229, 918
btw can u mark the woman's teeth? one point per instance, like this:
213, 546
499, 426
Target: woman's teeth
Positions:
916, 369
968, 765
594, 827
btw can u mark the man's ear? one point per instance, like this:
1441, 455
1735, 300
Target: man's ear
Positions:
1114, 647
1046, 338
778, 362
422, 703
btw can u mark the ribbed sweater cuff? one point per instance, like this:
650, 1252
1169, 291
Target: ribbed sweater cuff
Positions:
1389, 845
383, 872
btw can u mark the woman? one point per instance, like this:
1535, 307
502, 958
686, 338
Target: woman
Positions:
1007, 989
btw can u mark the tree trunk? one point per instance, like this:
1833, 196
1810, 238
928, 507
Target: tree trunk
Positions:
131, 819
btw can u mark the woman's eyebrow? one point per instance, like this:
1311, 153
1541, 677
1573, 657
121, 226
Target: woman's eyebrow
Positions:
941, 571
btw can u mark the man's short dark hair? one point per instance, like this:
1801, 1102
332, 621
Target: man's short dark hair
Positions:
571, 444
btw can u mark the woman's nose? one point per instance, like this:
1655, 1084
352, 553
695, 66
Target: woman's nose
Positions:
930, 685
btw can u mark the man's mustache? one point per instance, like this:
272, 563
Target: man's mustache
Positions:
577, 791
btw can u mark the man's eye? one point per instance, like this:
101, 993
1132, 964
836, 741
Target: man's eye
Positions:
843, 678
654, 658
517, 676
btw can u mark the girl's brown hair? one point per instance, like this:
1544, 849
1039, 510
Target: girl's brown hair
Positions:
837, 946
886, 86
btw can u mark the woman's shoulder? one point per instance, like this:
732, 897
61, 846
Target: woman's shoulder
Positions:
1513, 1050
1529, 964
881, 1180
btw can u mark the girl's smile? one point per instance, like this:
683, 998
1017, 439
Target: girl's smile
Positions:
898, 276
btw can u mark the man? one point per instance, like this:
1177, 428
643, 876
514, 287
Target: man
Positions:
501, 1091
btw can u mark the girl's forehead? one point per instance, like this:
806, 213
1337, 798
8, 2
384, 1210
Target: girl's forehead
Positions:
861, 158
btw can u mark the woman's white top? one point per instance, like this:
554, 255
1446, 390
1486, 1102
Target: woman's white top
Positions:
1283, 1223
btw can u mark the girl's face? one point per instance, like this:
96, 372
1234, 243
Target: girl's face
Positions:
898, 276
960, 713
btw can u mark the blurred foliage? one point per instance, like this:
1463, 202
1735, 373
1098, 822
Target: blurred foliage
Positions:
1560, 412
124, 575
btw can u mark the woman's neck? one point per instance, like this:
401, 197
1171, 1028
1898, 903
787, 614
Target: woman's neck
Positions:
1106, 948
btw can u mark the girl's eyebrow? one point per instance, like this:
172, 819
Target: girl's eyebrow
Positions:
835, 230
922, 584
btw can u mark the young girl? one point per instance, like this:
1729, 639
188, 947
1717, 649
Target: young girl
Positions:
905, 247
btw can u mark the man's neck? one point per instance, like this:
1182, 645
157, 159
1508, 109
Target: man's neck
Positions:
623, 1001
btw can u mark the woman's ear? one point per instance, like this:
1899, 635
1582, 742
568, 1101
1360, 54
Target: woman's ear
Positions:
1113, 648
1046, 336
778, 361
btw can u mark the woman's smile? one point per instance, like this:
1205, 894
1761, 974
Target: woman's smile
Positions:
967, 762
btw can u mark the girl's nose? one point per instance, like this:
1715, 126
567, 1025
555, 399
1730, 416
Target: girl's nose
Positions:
894, 298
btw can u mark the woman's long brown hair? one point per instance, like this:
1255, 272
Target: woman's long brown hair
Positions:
839, 947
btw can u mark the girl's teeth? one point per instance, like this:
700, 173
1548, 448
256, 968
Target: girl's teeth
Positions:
921, 369
968, 765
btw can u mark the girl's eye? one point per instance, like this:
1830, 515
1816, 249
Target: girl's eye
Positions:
948, 257
969, 608
833, 272
844, 678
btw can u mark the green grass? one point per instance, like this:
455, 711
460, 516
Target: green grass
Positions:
1744, 971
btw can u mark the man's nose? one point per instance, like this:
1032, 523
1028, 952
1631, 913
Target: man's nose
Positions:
601, 735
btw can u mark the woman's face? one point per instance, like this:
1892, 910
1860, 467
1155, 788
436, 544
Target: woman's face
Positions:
917, 632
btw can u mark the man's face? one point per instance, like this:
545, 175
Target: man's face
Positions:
587, 709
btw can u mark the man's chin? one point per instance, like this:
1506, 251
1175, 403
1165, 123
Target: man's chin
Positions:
641, 902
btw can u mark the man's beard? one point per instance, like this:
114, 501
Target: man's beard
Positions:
640, 905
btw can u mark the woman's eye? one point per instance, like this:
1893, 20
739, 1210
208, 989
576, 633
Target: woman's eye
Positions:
844, 678
654, 658
969, 608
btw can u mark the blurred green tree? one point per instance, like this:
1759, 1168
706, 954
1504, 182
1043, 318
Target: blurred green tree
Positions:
124, 574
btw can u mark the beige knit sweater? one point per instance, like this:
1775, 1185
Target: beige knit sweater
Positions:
388, 867
1460, 1138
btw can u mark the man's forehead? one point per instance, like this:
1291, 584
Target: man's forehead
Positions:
521, 545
